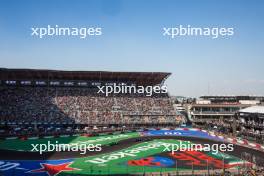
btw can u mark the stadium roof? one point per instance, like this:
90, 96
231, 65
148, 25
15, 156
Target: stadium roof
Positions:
220, 105
253, 109
139, 78
238, 97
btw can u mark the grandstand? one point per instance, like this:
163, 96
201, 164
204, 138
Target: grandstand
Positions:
39, 98
240, 116
221, 107
251, 123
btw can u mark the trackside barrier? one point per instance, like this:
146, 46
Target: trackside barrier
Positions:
234, 171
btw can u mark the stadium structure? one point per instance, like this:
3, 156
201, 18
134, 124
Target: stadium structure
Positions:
134, 131
221, 107
251, 123
70, 97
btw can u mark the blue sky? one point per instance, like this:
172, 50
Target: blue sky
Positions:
132, 41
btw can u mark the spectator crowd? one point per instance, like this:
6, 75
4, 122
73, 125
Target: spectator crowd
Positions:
71, 105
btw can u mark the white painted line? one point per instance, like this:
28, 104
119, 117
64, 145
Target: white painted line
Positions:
33, 138
11, 138
49, 137
64, 135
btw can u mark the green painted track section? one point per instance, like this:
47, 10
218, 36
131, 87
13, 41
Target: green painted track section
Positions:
116, 162
25, 145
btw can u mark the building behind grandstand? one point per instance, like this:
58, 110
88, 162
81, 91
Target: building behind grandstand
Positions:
221, 107
241, 116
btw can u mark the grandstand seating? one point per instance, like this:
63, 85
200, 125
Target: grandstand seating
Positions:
71, 105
